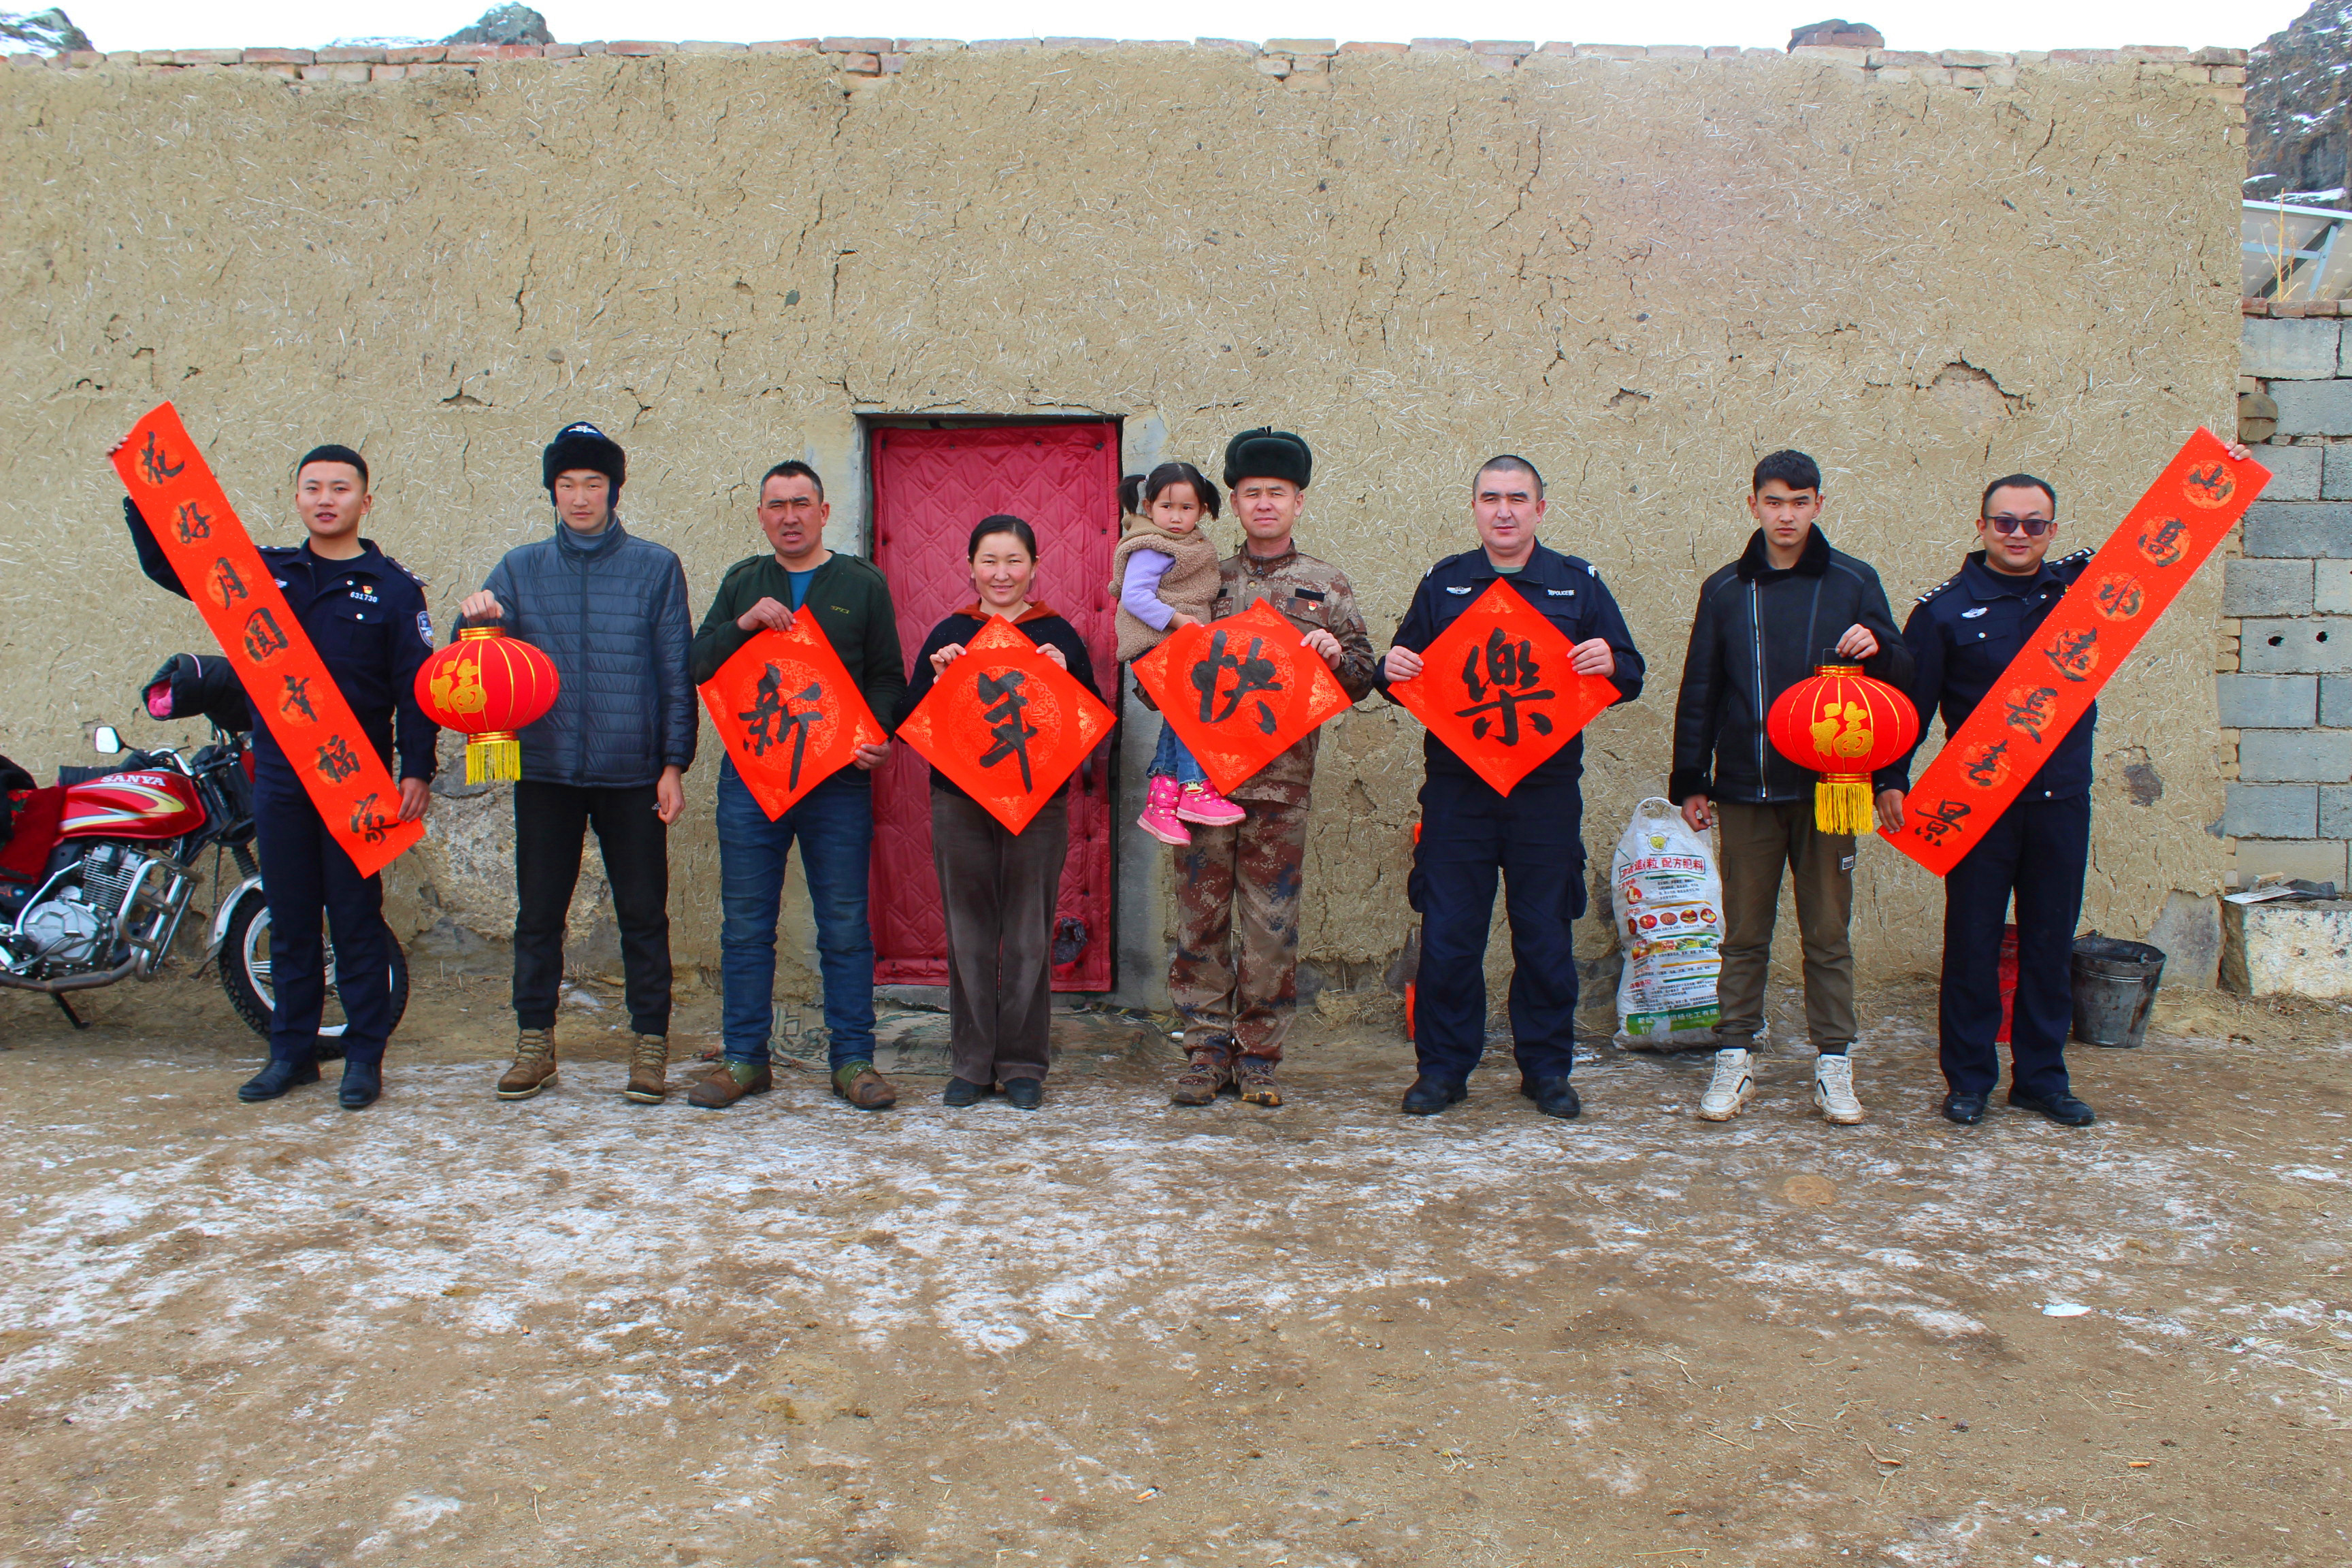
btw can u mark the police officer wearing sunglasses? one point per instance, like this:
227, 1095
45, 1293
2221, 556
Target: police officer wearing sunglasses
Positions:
1962, 634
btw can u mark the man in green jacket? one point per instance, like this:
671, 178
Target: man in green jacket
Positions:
834, 823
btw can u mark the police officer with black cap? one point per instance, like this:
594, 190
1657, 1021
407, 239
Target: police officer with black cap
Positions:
1532, 837
365, 615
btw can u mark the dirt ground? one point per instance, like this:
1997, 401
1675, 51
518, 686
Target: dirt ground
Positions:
573, 1330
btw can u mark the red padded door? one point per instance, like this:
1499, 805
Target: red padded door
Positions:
929, 487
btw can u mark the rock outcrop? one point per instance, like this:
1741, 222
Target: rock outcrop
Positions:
49, 31
508, 24
2299, 105
1837, 33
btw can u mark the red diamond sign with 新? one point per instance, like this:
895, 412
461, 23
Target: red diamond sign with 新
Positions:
1496, 686
1006, 723
791, 716
1239, 691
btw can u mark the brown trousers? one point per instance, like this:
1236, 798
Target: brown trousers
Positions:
997, 890
1753, 844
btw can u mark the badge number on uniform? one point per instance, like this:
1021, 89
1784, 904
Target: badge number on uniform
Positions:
1239, 691
789, 713
305, 711
2054, 679
1496, 688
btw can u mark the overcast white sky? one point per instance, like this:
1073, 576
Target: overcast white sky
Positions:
1909, 25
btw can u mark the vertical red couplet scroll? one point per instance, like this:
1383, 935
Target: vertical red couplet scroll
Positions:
288, 683
2054, 679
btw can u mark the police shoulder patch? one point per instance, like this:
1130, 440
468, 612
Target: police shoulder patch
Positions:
424, 627
1937, 589
2082, 554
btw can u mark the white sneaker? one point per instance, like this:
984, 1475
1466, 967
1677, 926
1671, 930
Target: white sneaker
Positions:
1833, 1090
1730, 1090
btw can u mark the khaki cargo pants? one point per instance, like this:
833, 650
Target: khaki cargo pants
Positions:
1755, 843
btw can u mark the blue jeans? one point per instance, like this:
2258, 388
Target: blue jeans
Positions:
834, 825
1173, 760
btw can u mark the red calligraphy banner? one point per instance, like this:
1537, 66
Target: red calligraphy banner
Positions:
1006, 723
288, 683
1239, 691
2053, 680
790, 714
1496, 688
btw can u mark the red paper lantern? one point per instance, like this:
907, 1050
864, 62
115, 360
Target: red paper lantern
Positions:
1845, 727
486, 686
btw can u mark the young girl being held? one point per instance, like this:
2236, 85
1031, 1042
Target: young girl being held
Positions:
1165, 574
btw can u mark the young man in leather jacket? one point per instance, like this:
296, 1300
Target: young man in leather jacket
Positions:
1765, 622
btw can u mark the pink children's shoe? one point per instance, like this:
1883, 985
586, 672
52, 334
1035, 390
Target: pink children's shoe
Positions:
1159, 818
1201, 803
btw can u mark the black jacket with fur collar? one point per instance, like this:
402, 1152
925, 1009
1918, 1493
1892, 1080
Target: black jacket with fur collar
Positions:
1758, 632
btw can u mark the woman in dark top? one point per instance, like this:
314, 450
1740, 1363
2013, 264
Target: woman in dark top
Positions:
997, 886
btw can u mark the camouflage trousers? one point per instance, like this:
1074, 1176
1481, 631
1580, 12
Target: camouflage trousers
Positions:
1239, 984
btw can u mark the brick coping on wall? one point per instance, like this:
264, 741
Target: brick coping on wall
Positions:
2294, 311
1301, 62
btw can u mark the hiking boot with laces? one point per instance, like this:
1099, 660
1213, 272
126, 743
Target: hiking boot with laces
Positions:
1733, 1086
534, 1065
1834, 1094
1253, 1076
649, 1070
1203, 1076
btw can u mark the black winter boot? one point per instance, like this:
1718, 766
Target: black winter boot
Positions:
282, 1074
362, 1080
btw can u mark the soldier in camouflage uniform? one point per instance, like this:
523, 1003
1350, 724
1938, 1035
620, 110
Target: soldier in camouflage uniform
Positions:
1237, 990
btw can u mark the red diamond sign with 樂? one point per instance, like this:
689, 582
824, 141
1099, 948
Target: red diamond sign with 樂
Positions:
1496, 688
1239, 691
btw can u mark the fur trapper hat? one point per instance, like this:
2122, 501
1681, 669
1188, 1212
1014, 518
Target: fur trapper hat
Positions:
1265, 454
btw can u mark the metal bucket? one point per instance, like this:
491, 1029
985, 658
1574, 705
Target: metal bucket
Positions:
2115, 988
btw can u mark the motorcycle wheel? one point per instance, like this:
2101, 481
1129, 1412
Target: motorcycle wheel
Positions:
244, 975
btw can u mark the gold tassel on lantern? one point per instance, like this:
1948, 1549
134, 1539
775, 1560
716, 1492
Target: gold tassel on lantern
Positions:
494, 756
1842, 803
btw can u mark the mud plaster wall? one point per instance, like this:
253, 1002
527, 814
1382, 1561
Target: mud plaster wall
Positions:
1640, 274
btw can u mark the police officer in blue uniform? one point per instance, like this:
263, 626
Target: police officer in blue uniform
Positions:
1962, 634
366, 616
1532, 836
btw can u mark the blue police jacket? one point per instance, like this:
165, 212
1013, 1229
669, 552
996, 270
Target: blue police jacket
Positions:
368, 620
1568, 593
1962, 634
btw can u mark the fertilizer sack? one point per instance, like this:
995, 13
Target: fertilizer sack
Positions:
1669, 903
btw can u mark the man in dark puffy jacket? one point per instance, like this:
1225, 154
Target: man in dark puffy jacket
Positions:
1765, 622
610, 609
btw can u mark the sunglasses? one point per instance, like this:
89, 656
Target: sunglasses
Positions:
2035, 527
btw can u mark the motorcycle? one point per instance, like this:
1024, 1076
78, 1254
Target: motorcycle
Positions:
101, 868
